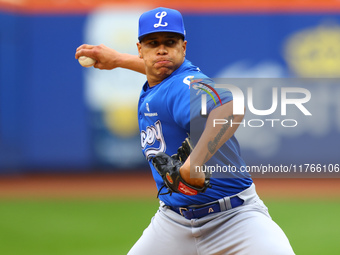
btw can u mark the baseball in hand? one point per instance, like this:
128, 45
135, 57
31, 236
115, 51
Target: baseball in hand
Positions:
86, 61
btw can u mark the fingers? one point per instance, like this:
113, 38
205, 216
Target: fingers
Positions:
85, 46
85, 50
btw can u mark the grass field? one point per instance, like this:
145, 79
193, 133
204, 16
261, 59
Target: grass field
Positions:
111, 226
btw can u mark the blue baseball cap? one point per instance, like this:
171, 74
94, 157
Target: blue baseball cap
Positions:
160, 20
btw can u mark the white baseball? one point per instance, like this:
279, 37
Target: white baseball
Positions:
86, 61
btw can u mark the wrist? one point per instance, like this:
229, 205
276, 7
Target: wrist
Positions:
190, 176
120, 60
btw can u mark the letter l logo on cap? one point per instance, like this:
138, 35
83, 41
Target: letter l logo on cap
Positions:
160, 16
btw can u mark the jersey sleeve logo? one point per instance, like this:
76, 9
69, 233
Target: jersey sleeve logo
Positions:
198, 84
152, 140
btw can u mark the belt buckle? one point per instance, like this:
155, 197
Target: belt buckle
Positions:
181, 209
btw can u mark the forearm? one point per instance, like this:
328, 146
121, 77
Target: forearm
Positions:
213, 137
210, 141
132, 62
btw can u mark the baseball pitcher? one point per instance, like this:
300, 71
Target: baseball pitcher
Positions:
200, 212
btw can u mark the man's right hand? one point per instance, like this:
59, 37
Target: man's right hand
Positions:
108, 59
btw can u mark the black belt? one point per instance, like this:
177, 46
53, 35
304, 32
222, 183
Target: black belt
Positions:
199, 212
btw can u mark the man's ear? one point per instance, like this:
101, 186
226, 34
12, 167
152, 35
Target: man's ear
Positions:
139, 47
184, 48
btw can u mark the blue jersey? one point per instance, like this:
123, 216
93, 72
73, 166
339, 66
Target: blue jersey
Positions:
164, 122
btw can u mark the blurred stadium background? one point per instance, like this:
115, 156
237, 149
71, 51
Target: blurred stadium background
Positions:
72, 176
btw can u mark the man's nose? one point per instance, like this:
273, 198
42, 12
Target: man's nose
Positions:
162, 50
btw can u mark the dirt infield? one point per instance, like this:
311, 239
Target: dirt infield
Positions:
141, 185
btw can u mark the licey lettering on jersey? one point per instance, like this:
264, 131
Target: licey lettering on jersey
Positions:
152, 140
